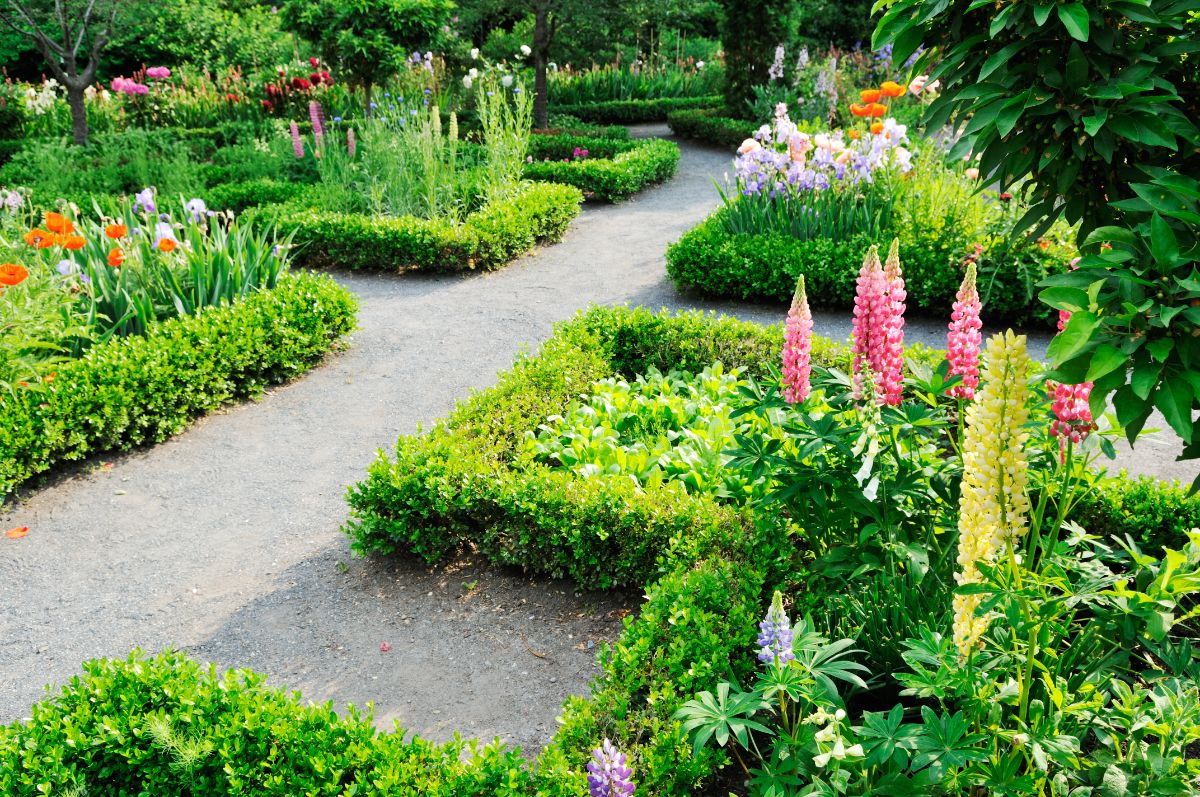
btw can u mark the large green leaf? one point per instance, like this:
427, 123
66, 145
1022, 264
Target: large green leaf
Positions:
1074, 17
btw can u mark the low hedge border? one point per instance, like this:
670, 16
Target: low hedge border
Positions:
709, 126
694, 629
127, 392
486, 240
633, 111
710, 260
614, 169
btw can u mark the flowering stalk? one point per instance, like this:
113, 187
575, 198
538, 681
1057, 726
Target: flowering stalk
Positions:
891, 365
870, 289
608, 774
351, 142
993, 506
797, 348
297, 144
878, 327
775, 634
316, 115
1072, 410
962, 345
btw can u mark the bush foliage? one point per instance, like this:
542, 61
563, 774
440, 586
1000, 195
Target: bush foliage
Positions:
611, 170
633, 111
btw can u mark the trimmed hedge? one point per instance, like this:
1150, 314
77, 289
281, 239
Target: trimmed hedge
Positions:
252, 193
714, 262
709, 126
632, 111
127, 392
614, 169
486, 240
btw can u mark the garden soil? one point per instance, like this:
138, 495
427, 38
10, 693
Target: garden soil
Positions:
225, 541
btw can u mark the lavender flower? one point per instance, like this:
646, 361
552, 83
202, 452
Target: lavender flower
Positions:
13, 201
297, 143
776, 70
66, 267
775, 634
144, 201
196, 209
802, 60
316, 115
608, 776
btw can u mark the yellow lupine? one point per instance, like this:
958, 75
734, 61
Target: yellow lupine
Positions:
994, 507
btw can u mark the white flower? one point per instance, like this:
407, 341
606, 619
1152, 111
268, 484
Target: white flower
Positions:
917, 84
473, 73
474, 53
506, 81
699, 64
749, 145
525, 49
467, 81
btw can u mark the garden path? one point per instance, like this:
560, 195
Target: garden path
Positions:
225, 540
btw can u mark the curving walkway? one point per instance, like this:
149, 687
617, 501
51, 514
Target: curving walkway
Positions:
225, 540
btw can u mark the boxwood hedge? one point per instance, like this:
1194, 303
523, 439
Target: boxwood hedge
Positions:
632, 111
130, 391
709, 126
612, 170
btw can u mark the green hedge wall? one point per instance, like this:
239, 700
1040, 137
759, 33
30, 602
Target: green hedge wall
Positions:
709, 126
131, 391
486, 240
633, 111
614, 169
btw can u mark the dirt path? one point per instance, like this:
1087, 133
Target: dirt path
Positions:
224, 541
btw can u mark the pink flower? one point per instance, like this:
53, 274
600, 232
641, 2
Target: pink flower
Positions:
878, 329
962, 347
971, 173
351, 142
869, 307
1072, 411
158, 72
317, 116
297, 144
891, 366
749, 145
797, 348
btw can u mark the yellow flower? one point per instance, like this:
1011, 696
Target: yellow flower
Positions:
993, 509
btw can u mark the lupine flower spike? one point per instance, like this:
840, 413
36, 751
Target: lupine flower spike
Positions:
797, 348
608, 774
297, 144
1072, 411
351, 142
869, 297
891, 365
316, 115
775, 634
993, 505
962, 347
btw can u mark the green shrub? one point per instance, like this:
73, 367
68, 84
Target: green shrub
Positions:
614, 169
1152, 512
9, 148
240, 196
131, 391
710, 126
486, 240
632, 111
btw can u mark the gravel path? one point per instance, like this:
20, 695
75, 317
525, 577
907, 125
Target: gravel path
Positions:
224, 541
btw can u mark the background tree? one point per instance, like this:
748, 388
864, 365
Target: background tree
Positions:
1095, 103
368, 39
835, 23
750, 32
70, 35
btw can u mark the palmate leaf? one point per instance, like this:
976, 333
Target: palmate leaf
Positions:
721, 716
945, 743
886, 737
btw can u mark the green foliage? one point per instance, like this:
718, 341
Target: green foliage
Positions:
708, 126
845, 24
611, 82
612, 169
1095, 102
1151, 512
40, 323
130, 391
634, 111
750, 32
238, 196
167, 725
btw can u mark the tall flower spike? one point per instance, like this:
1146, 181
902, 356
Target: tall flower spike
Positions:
775, 634
297, 144
608, 773
1071, 406
351, 142
891, 331
797, 348
993, 507
962, 345
869, 297
316, 115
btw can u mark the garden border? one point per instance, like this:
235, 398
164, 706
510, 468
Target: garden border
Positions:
615, 169
632, 111
710, 126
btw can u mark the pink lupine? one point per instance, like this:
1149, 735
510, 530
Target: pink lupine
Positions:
297, 144
891, 361
797, 348
870, 305
1072, 410
316, 115
351, 142
962, 348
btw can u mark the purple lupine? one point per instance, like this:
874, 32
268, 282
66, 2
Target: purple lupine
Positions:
297, 143
316, 115
775, 634
608, 774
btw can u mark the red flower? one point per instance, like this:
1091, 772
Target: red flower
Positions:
315, 77
233, 98
315, 63
268, 106
301, 84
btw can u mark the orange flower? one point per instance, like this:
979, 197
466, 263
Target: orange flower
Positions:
74, 242
891, 88
877, 109
57, 222
116, 231
12, 274
876, 127
39, 238
870, 95
167, 245
860, 110
854, 134
115, 257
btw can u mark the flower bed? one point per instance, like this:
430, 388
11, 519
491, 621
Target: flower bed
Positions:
634, 111
136, 390
710, 126
603, 168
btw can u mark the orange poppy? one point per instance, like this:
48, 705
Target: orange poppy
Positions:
12, 274
116, 231
870, 95
877, 127
57, 222
891, 88
854, 134
860, 110
115, 257
39, 238
166, 245
877, 109
74, 242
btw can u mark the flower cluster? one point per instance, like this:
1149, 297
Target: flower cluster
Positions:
158, 73
878, 327
294, 88
1072, 411
993, 506
128, 87
962, 345
797, 348
781, 161
56, 230
40, 100
608, 773
775, 634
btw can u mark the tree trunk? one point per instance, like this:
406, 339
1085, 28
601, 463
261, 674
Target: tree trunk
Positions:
79, 120
541, 58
